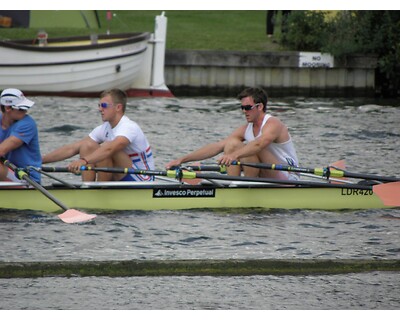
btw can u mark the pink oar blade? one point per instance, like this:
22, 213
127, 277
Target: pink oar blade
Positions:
389, 193
75, 216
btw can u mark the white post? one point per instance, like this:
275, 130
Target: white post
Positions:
151, 75
160, 37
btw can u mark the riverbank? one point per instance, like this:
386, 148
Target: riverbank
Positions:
224, 73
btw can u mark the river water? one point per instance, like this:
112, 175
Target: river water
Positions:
365, 133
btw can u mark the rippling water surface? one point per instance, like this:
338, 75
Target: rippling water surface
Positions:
364, 133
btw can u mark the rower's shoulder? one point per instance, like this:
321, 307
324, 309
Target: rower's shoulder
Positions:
273, 120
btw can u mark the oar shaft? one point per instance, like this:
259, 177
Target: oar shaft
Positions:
24, 176
280, 167
52, 177
206, 167
44, 192
69, 215
183, 174
194, 175
368, 176
168, 173
323, 172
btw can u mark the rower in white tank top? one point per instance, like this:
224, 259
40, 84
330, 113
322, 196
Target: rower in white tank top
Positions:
284, 152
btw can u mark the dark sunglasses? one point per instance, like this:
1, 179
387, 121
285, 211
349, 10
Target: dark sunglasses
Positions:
249, 107
19, 108
104, 105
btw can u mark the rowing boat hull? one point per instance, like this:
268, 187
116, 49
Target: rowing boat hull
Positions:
179, 196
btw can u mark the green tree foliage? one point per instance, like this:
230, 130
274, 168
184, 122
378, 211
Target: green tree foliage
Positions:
352, 32
305, 31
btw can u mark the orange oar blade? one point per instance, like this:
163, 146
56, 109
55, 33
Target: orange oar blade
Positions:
340, 164
193, 181
75, 216
389, 193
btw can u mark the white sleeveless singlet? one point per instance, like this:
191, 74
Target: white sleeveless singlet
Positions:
284, 152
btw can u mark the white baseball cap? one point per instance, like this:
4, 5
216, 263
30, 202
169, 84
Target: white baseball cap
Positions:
16, 99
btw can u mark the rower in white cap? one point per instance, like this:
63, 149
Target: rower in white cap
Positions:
19, 140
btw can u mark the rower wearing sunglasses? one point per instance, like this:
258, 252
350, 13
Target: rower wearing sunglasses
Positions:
264, 139
118, 142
